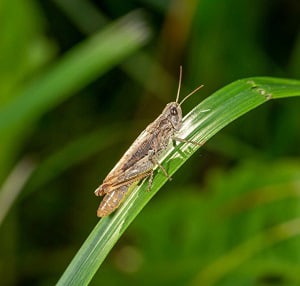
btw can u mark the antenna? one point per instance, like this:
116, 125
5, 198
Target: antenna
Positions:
195, 90
179, 84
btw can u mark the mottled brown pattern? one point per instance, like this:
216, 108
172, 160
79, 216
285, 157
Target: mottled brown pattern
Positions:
142, 156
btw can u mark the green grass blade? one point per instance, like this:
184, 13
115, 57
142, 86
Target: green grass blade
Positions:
78, 67
205, 120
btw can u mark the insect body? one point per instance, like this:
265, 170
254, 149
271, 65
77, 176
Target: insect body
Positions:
142, 156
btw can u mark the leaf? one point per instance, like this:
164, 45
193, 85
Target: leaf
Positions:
86, 62
205, 120
78, 67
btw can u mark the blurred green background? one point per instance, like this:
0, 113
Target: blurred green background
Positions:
80, 79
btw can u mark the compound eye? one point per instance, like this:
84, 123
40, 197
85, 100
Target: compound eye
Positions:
174, 111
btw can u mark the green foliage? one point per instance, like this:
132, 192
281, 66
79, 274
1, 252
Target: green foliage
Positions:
79, 80
200, 124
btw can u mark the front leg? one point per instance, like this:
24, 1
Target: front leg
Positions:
153, 158
186, 141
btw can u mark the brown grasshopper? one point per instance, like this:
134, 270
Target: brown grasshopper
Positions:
139, 160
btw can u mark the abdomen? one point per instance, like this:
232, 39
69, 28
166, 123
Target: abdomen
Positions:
111, 201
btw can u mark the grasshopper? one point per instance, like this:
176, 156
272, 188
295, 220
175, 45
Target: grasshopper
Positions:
139, 160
